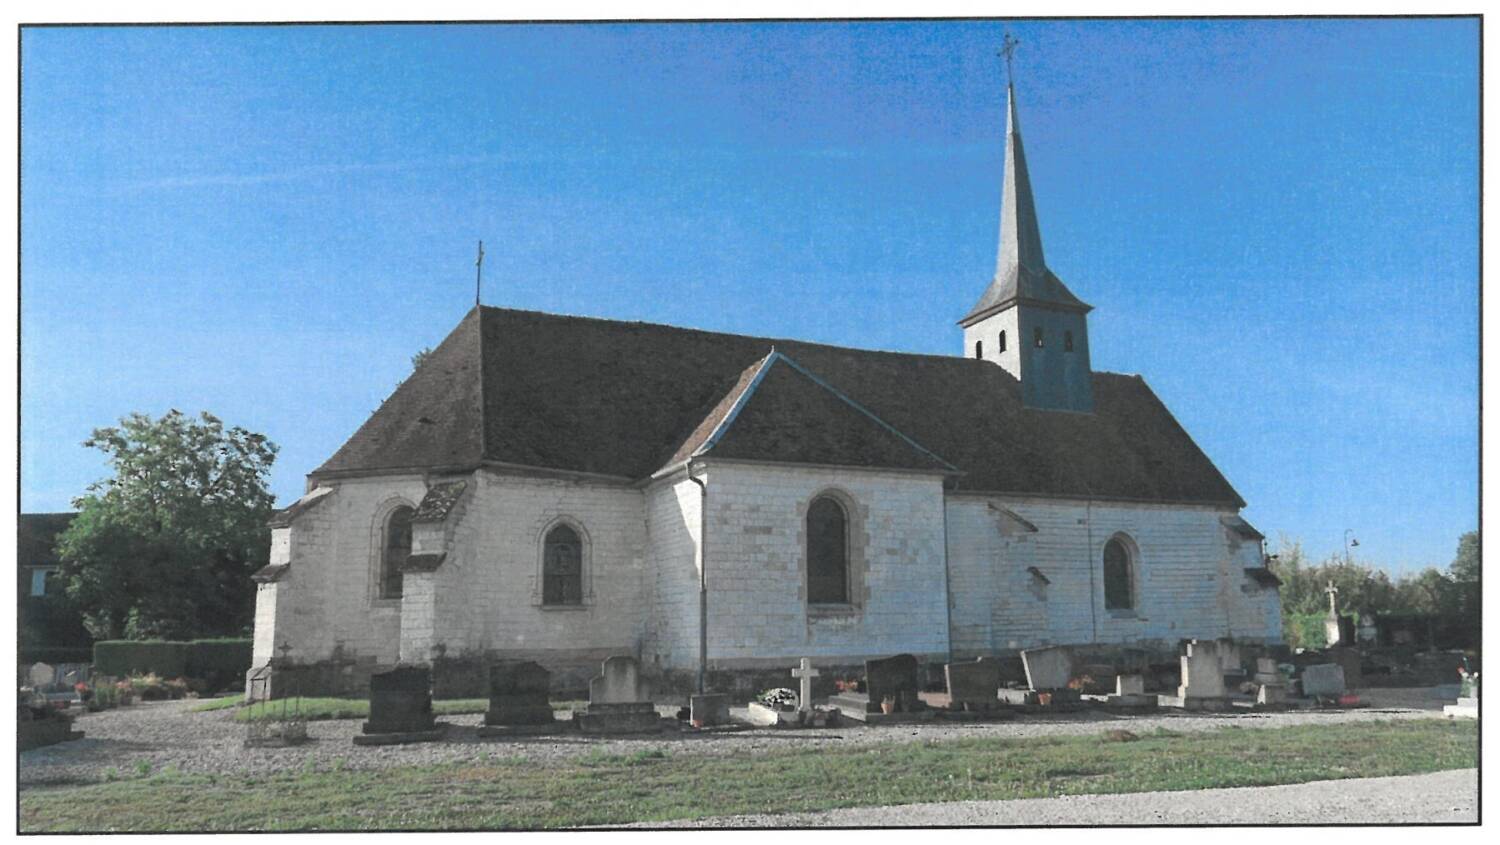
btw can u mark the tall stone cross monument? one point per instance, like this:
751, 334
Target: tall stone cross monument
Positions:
1331, 628
805, 673
1332, 591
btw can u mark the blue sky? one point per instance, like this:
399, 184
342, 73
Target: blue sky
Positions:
1276, 221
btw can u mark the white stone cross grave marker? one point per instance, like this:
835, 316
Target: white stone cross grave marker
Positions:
805, 673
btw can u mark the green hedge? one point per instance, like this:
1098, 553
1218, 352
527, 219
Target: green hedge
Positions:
55, 654
219, 662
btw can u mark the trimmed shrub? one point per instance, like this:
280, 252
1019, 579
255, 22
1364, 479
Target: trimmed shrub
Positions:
216, 664
123, 658
219, 664
56, 654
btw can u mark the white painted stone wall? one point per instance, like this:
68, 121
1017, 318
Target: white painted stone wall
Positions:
1187, 572
490, 590
758, 612
673, 506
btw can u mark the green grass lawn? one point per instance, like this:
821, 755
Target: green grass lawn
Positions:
318, 709
653, 785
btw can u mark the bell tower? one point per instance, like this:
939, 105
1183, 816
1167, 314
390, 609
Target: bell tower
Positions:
1027, 321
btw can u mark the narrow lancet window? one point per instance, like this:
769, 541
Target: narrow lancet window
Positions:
1067, 341
1036, 336
1002, 340
978, 349
827, 552
1118, 578
397, 550
562, 567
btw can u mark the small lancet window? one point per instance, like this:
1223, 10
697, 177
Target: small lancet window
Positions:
978, 349
1118, 578
1002, 340
827, 552
562, 567
1036, 336
397, 550
1067, 341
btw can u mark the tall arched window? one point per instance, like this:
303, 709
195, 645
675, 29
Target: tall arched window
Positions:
1002, 340
827, 552
1118, 577
562, 567
978, 349
397, 550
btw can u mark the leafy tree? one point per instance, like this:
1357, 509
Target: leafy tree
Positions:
166, 546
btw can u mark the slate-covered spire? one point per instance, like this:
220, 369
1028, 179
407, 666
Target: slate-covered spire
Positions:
1020, 269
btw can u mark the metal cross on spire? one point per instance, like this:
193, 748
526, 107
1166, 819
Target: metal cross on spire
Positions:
1008, 49
478, 272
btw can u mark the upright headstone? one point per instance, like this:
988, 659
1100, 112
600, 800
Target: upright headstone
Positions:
1325, 680
619, 700
1130, 685
1202, 671
973, 685
42, 676
1048, 668
894, 679
400, 708
519, 699
1348, 659
804, 673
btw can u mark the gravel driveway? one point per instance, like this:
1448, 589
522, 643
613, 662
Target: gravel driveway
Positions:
167, 734
1442, 797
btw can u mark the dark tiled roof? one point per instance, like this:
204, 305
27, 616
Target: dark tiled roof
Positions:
621, 399
284, 517
36, 537
439, 500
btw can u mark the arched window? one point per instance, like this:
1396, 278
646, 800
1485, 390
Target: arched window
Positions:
562, 567
397, 548
1067, 341
1002, 340
978, 349
1036, 336
827, 552
1118, 577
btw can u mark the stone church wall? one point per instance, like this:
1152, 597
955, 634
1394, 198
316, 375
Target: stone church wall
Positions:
1188, 571
672, 523
758, 612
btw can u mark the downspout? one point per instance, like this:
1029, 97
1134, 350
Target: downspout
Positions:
1093, 599
702, 577
947, 574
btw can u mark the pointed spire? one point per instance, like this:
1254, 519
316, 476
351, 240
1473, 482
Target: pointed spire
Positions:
1020, 269
1020, 234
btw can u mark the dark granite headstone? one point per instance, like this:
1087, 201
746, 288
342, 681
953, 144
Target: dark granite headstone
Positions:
401, 701
973, 685
892, 677
519, 694
1349, 660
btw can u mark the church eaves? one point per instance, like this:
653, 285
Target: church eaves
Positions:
1021, 273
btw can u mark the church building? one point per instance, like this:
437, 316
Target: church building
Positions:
563, 489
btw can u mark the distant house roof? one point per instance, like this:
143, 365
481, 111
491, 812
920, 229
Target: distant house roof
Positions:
625, 399
36, 537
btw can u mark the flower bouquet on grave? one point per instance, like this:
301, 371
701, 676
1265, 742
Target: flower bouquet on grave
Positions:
781, 699
848, 685
1468, 683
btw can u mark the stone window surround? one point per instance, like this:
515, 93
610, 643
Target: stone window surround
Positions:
383, 513
859, 541
1133, 563
586, 553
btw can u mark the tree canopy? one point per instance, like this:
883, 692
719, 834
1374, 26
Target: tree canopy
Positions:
165, 546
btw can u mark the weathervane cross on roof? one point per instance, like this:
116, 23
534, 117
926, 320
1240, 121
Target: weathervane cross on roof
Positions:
1008, 49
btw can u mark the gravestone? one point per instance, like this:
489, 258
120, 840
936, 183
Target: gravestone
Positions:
805, 673
973, 685
42, 676
519, 699
1323, 680
619, 701
1202, 671
1266, 671
893, 678
707, 709
1348, 659
1048, 668
400, 708
1130, 685
1270, 695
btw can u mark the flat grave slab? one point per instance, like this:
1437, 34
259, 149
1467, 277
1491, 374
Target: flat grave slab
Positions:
402, 737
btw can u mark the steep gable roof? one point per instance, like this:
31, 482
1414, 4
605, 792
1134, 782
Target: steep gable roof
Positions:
779, 411
622, 399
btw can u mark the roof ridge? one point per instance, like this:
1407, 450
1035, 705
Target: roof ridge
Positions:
690, 330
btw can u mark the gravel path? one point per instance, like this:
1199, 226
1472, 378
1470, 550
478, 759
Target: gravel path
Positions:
1444, 797
160, 735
